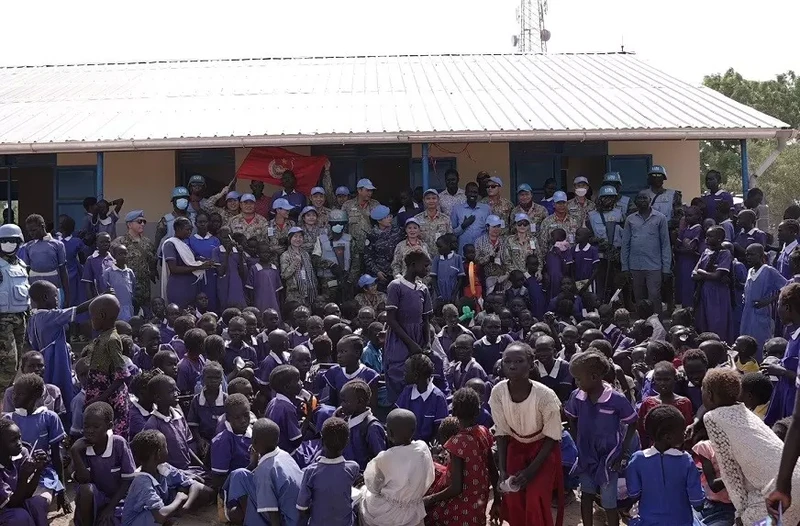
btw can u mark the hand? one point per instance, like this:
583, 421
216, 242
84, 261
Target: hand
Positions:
208, 265
521, 479
339, 413
79, 447
181, 497
494, 512
773, 369
381, 276
62, 502
467, 222
327, 165
777, 499
621, 462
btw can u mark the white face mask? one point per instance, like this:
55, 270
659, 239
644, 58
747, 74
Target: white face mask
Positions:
337, 229
8, 248
580, 192
164, 469
181, 204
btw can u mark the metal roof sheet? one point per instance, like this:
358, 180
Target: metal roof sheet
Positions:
250, 102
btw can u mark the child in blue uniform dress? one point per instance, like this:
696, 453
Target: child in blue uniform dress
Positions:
712, 274
103, 467
265, 493
367, 436
101, 259
586, 260
662, 477
489, 348
286, 383
203, 244
603, 423
230, 449
687, 254
326, 489
208, 405
558, 263
19, 474
231, 274
348, 354
464, 367
422, 398
760, 292
447, 270
75, 256
238, 354
46, 257
783, 396
122, 280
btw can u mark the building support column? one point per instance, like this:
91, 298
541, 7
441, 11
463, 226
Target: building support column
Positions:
99, 182
745, 168
425, 172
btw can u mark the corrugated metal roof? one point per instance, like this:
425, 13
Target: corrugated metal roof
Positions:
359, 99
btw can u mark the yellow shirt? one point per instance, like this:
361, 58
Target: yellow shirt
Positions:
747, 367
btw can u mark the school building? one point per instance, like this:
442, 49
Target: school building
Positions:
136, 130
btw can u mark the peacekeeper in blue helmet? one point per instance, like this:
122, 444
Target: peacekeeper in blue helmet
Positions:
180, 208
665, 200
14, 302
606, 223
614, 179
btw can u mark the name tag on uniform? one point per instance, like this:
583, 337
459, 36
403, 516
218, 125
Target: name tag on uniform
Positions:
533, 244
571, 238
302, 273
497, 260
366, 242
533, 228
271, 231
332, 283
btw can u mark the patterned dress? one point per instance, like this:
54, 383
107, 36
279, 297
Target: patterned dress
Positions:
141, 259
500, 206
106, 365
473, 445
433, 227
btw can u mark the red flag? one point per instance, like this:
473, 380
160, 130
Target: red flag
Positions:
268, 164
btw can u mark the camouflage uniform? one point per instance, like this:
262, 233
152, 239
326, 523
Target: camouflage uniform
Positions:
360, 225
277, 236
432, 229
401, 251
500, 206
514, 252
569, 225
257, 228
379, 252
12, 337
537, 213
14, 285
322, 216
371, 300
578, 211
141, 259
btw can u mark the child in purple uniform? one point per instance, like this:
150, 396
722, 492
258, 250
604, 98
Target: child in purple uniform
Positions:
104, 219
264, 281
422, 398
208, 405
46, 257
149, 345
586, 260
166, 326
299, 333
190, 367
230, 449
553, 372
748, 233
100, 260
348, 356
19, 473
232, 272
79, 400
238, 354
490, 347
367, 436
761, 289
286, 383
712, 274
325, 492
598, 417
140, 402
74, 251
275, 352
464, 367
687, 253
266, 493
169, 420
122, 280
103, 468
203, 244
33, 362
557, 263
535, 291
447, 271
41, 429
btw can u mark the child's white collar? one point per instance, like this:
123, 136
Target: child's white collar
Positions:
174, 414
425, 394
219, 402
24, 412
355, 420
109, 446
247, 434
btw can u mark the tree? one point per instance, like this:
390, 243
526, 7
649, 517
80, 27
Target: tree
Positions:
779, 98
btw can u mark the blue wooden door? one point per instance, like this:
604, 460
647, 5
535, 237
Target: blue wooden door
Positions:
73, 185
534, 171
633, 170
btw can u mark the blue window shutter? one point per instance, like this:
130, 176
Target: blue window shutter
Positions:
633, 170
73, 184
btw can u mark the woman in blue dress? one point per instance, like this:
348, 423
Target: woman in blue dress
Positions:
203, 244
180, 271
76, 256
783, 395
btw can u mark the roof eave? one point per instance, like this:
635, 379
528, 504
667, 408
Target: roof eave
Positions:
399, 137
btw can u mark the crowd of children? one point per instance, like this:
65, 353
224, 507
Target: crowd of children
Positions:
467, 389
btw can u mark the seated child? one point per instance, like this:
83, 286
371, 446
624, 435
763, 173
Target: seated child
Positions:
490, 347
167, 326
326, 488
286, 384
471, 467
166, 362
781, 427
79, 400
230, 449
156, 483
717, 508
482, 388
664, 378
299, 335
746, 348
149, 345
756, 393
367, 436
349, 367
140, 402
242, 386
663, 478
396, 480
182, 325
271, 321
19, 475
553, 372
271, 484
464, 367
425, 401
33, 362
41, 429
238, 354
190, 367
103, 468
275, 354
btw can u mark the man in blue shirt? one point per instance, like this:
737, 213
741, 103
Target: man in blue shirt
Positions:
646, 256
469, 219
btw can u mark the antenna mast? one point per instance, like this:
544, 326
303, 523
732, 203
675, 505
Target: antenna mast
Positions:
532, 36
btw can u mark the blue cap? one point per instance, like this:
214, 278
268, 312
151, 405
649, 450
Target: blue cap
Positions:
559, 197
580, 179
521, 217
317, 190
197, 179
430, 191
294, 230
365, 183
282, 204
657, 169
524, 187
247, 197
342, 190
307, 209
493, 220
366, 280
496, 180
607, 190
180, 191
612, 177
379, 212
133, 215
412, 220
233, 194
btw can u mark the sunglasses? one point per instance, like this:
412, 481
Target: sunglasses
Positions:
493, 186
142, 221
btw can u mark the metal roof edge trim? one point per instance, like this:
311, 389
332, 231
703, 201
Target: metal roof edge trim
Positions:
418, 137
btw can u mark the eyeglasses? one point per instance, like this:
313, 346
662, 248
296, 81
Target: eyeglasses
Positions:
141, 221
493, 186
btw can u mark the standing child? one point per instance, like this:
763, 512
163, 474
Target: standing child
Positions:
207, 405
663, 478
471, 469
203, 243
586, 258
104, 220
19, 475
447, 271
717, 508
348, 356
712, 276
122, 280
603, 423
748, 233
664, 379
103, 468
788, 236
687, 254
75, 256
231, 272
527, 417
263, 282
42, 429
422, 398
783, 397
230, 449
396, 480
367, 436
557, 262
46, 257
190, 367
760, 292
266, 492
32, 362
96, 264
286, 383
535, 292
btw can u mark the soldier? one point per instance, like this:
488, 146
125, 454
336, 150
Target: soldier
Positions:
318, 200
432, 222
180, 208
665, 200
580, 205
358, 215
141, 257
606, 223
248, 222
525, 205
623, 201
332, 258
14, 302
499, 205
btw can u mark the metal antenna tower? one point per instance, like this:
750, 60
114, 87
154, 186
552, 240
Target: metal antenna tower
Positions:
532, 36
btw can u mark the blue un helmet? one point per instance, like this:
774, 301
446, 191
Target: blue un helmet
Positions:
180, 191
10, 238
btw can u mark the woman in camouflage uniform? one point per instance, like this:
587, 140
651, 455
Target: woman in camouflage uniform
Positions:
380, 245
311, 230
432, 221
519, 245
412, 243
297, 271
487, 255
278, 228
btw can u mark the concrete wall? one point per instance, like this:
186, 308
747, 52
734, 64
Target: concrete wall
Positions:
471, 158
680, 158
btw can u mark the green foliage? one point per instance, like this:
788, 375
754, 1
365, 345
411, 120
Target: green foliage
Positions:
780, 98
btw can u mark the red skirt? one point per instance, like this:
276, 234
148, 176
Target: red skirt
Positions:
531, 506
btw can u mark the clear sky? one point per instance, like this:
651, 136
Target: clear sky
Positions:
686, 38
